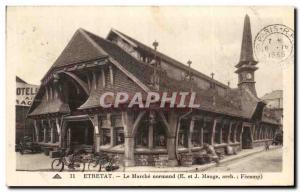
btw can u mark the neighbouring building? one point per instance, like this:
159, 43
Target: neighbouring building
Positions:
67, 111
274, 104
24, 97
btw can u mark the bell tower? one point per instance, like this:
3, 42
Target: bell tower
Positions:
247, 65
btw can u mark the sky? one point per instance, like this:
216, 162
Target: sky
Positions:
208, 36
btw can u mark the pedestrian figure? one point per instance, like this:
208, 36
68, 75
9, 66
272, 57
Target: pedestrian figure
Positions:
267, 146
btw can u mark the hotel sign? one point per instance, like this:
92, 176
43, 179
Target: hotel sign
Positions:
25, 94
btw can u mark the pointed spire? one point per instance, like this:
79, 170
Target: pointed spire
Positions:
247, 49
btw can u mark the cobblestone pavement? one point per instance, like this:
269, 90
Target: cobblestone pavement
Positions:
269, 161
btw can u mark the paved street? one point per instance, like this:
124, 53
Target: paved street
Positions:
270, 161
249, 160
33, 162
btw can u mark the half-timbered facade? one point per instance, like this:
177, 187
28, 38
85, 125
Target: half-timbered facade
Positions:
67, 112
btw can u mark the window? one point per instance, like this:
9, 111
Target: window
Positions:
183, 133
261, 132
48, 134
196, 135
238, 133
105, 140
218, 133
160, 140
141, 138
225, 132
257, 133
207, 132
119, 135
56, 137
41, 134
232, 133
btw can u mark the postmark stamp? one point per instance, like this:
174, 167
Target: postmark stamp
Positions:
274, 43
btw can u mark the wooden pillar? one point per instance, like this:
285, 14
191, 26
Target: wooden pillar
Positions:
150, 135
129, 151
51, 131
37, 132
69, 135
58, 131
221, 132
171, 145
88, 81
241, 133
112, 131
45, 132
252, 134
95, 122
86, 132
113, 138
258, 132
128, 121
111, 75
213, 131
64, 135
94, 80
229, 132
235, 132
152, 121
201, 134
103, 77
191, 130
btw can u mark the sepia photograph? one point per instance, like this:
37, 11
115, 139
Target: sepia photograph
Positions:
150, 96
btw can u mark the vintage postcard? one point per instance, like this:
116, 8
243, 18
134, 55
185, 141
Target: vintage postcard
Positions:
150, 96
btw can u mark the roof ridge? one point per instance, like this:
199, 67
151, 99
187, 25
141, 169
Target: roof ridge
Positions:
179, 64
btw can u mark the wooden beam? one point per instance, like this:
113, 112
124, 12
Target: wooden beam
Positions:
37, 134
88, 81
191, 131
47, 93
58, 126
82, 84
229, 131
213, 131
103, 77
221, 131
166, 123
116, 63
111, 74
95, 82
137, 122
51, 131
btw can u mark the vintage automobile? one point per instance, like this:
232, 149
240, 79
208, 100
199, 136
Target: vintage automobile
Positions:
26, 144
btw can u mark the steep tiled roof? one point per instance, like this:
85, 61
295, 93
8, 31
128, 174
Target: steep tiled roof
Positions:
168, 59
138, 69
77, 50
51, 106
236, 102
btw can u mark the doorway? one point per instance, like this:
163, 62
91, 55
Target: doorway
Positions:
80, 134
246, 138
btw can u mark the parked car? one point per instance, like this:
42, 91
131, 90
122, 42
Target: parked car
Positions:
278, 139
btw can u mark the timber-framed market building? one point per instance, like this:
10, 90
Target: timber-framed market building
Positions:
67, 113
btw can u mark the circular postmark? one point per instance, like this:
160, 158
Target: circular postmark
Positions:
274, 43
